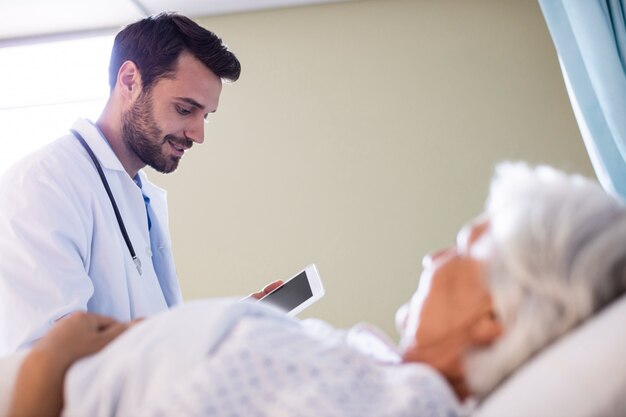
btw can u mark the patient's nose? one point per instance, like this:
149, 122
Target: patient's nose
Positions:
429, 259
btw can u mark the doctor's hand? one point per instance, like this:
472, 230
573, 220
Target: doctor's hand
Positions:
266, 290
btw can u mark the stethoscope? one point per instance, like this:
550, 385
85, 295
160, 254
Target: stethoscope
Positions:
118, 216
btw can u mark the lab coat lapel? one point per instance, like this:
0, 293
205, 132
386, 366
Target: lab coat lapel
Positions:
160, 242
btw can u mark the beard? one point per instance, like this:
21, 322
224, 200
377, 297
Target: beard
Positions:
142, 135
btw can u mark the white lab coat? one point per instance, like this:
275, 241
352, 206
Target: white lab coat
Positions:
61, 249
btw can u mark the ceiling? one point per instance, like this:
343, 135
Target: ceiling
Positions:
28, 20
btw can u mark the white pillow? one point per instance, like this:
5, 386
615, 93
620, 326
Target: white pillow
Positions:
581, 375
9, 365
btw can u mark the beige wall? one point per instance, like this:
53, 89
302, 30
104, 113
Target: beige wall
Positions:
360, 136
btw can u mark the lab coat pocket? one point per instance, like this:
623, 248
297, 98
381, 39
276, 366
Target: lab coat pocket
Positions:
163, 262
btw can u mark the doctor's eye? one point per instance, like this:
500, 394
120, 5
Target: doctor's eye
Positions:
183, 110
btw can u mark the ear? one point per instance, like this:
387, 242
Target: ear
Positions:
486, 330
129, 80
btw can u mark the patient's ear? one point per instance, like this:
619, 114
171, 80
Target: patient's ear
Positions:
486, 330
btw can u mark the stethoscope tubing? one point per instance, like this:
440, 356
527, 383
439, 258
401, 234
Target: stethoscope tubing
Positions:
105, 183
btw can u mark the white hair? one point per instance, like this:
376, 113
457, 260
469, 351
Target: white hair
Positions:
558, 254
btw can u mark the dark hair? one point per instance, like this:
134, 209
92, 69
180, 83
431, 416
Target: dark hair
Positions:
155, 43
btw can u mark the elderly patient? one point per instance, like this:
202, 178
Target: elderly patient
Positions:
549, 251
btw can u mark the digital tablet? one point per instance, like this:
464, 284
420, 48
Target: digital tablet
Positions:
298, 292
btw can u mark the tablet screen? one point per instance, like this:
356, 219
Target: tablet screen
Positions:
291, 294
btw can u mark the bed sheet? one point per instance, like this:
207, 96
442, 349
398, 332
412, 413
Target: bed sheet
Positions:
227, 358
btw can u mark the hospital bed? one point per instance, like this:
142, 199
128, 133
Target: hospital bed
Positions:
581, 375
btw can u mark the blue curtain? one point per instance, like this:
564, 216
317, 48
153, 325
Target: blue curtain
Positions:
590, 39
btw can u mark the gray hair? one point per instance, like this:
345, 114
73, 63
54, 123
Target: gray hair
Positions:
558, 254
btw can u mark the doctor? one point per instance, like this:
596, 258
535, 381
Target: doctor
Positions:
66, 245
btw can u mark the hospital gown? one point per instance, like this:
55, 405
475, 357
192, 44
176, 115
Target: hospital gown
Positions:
232, 359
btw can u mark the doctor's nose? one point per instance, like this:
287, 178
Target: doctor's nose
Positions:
195, 132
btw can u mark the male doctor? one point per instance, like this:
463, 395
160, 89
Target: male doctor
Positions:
73, 238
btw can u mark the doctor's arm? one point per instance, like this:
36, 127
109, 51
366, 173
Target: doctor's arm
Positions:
44, 248
38, 390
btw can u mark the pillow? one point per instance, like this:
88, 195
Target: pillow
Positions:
9, 365
581, 375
